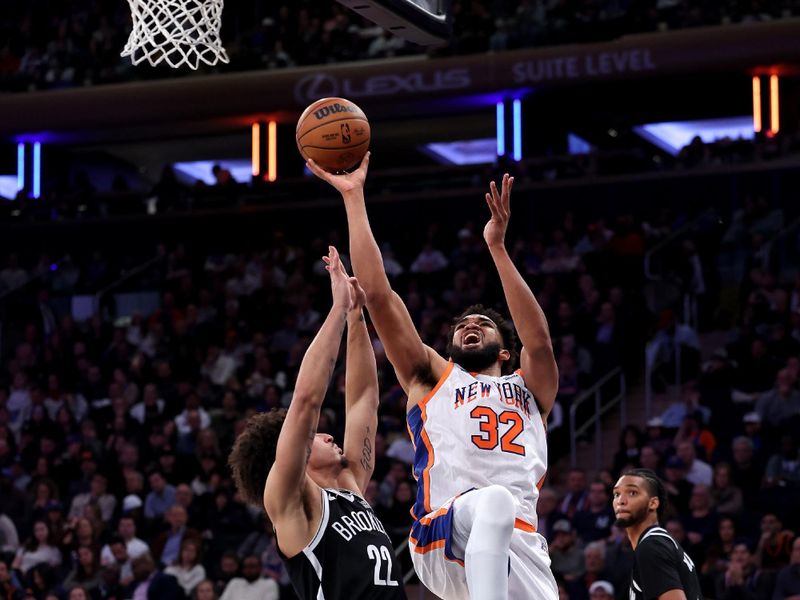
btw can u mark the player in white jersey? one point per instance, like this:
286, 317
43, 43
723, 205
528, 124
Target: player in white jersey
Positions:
477, 424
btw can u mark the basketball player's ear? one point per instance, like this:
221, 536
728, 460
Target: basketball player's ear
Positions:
504, 355
654, 502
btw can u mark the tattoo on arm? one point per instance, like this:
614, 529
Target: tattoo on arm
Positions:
366, 452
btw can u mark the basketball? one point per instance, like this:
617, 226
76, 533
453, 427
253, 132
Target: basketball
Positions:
334, 132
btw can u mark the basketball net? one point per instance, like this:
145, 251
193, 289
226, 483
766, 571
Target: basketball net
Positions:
176, 32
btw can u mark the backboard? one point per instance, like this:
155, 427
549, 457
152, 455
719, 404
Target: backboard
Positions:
424, 22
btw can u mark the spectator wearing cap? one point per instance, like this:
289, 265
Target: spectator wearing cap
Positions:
781, 403
133, 507
787, 586
126, 530
97, 495
751, 422
601, 590
594, 522
678, 489
697, 471
161, 496
566, 552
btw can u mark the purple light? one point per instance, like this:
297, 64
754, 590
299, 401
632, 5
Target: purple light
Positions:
53, 267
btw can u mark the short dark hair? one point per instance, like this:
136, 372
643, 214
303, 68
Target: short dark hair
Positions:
253, 454
655, 487
507, 333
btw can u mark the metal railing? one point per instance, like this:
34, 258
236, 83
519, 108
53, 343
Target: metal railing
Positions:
601, 407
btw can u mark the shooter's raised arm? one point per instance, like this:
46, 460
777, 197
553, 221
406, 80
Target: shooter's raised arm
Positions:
413, 361
537, 360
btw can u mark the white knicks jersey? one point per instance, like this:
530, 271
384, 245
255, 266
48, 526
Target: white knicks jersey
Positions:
472, 431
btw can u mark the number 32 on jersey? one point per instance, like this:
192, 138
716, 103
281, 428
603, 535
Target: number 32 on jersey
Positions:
490, 425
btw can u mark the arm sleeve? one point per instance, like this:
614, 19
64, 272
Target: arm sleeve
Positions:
658, 570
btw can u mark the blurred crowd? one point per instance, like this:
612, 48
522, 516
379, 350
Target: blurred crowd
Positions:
46, 44
114, 431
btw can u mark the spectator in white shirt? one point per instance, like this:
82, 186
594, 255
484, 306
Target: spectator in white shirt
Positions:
188, 570
697, 471
39, 548
430, 260
151, 405
251, 586
126, 530
182, 420
96, 495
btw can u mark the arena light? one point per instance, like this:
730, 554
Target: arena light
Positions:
255, 147
517, 123
672, 136
20, 166
756, 103
463, 152
577, 145
774, 106
272, 151
8, 187
37, 169
501, 128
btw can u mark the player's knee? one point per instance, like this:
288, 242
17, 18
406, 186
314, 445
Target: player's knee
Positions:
497, 507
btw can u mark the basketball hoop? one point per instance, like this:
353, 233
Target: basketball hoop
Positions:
176, 32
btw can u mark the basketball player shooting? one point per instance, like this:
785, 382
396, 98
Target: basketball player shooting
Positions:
662, 569
332, 543
476, 423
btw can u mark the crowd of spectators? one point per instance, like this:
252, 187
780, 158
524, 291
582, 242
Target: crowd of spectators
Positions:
727, 451
46, 44
114, 431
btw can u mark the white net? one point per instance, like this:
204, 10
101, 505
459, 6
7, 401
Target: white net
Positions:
176, 32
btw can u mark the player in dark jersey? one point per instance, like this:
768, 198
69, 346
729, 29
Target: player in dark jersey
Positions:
662, 569
332, 543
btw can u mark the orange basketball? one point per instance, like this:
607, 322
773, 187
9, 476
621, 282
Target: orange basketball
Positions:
334, 132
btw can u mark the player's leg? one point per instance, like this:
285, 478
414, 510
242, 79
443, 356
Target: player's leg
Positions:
530, 575
483, 522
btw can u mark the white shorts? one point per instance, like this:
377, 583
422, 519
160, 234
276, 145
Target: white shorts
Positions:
438, 545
